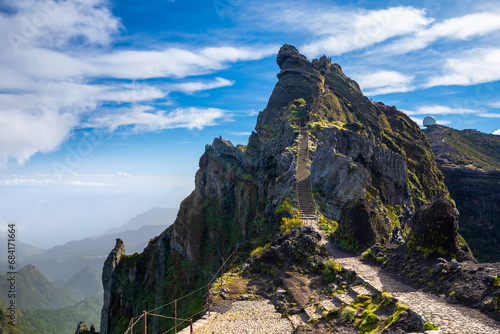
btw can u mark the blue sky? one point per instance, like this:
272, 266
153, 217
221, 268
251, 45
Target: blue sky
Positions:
106, 106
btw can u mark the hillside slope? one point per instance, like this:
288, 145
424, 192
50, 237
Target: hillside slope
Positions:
63, 320
35, 291
470, 163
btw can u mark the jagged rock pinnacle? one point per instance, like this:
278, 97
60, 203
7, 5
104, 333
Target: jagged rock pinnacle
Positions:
286, 52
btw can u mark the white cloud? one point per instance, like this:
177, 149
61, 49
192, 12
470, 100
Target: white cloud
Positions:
489, 115
244, 133
56, 24
24, 133
195, 86
440, 110
384, 82
458, 28
171, 62
495, 104
143, 119
70, 179
497, 132
89, 184
54, 50
470, 68
363, 29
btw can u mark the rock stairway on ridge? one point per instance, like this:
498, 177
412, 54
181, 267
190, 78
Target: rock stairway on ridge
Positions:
306, 203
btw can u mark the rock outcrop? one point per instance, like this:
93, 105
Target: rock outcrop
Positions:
81, 327
107, 280
361, 226
359, 151
435, 230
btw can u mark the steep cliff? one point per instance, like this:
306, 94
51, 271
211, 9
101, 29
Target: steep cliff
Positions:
470, 163
360, 151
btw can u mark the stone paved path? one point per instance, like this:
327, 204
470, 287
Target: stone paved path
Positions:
450, 318
258, 316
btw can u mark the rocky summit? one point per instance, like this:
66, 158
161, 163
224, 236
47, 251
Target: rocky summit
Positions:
357, 172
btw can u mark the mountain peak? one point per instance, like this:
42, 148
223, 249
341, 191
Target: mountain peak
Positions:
288, 52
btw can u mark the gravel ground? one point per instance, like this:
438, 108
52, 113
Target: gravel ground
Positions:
449, 318
257, 316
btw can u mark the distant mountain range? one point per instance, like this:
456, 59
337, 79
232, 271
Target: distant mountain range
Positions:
44, 308
78, 264
35, 291
63, 320
87, 281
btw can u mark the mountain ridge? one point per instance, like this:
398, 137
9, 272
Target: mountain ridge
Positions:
360, 151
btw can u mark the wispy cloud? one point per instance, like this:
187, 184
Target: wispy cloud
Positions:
385, 82
142, 118
363, 29
489, 115
196, 86
495, 105
440, 110
471, 67
458, 28
53, 53
244, 133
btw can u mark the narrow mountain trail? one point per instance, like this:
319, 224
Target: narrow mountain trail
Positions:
449, 318
258, 316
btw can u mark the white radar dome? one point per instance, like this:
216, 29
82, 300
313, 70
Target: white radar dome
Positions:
429, 120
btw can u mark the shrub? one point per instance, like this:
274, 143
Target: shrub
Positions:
285, 209
328, 226
367, 255
428, 326
288, 224
301, 101
259, 250
371, 319
387, 298
496, 282
348, 314
332, 268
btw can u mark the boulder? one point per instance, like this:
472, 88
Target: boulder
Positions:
435, 232
81, 327
361, 226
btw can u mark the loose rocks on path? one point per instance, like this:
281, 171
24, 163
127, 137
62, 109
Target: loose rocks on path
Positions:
257, 316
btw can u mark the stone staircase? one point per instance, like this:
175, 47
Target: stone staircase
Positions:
305, 200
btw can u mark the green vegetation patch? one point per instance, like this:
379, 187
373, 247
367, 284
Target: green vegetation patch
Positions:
429, 326
328, 226
287, 224
332, 269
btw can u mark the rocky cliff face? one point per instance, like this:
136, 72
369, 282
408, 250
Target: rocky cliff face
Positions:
360, 151
107, 275
470, 163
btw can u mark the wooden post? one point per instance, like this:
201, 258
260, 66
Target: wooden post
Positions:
175, 316
131, 326
221, 273
145, 316
232, 262
208, 290
191, 325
